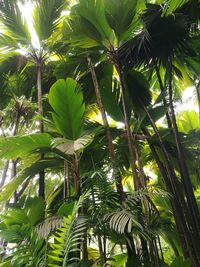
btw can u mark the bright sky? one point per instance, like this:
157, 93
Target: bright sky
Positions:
27, 13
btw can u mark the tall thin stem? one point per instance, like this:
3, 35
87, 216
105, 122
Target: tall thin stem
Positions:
111, 149
41, 126
182, 163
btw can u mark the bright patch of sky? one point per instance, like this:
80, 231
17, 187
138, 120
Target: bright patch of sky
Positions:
27, 10
189, 100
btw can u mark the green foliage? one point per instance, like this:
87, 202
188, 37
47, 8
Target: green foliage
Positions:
137, 209
69, 236
110, 95
25, 175
181, 262
17, 227
20, 146
94, 12
46, 16
125, 11
16, 30
138, 88
68, 118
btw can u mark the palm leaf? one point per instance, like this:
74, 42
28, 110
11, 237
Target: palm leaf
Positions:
69, 236
67, 102
125, 11
20, 146
46, 15
94, 12
77, 31
72, 146
8, 190
13, 22
172, 5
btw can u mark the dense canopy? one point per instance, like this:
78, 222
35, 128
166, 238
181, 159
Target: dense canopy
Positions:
99, 133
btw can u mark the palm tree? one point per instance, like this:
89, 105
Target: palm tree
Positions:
155, 45
116, 185
17, 38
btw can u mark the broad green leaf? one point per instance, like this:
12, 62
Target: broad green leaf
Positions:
46, 15
172, 5
179, 261
8, 190
67, 102
120, 14
94, 12
13, 22
138, 88
72, 146
20, 146
35, 209
110, 96
66, 209
155, 113
187, 121
77, 31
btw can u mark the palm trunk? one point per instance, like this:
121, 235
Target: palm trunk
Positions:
132, 153
183, 166
39, 94
4, 174
66, 186
76, 172
14, 162
197, 87
162, 91
128, 130
180, 209
41, 126
117, 175
178, 216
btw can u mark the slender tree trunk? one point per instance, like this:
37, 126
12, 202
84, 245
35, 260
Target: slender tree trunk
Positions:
132, 153
41, 126
77, 179
197, 87
66, 186
178, 204
14, 162
4, 174
117, 174
162, 91
39, 95
128, 130
185, 177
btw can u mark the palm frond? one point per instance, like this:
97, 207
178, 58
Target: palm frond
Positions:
14, 25
68, 118
69, 236
20, 146
72, 146
172, 5
48, 226
46, 16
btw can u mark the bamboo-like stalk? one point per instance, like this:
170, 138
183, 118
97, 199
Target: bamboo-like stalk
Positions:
185, 177
197, 87
179, 203
41, 192
111, 149
133, 157
128, 130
